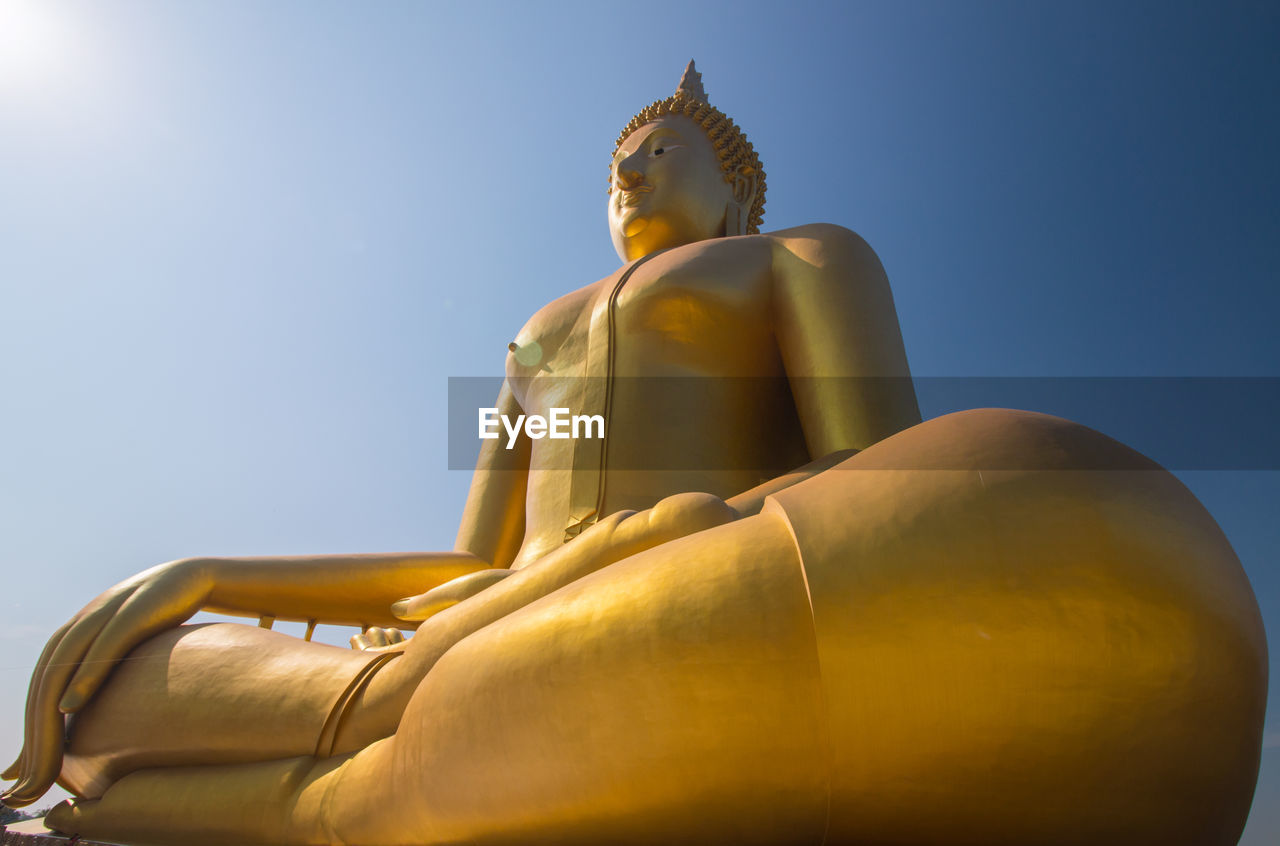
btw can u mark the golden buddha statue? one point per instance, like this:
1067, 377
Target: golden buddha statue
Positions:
791, 613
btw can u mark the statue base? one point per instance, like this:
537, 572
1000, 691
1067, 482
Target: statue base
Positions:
34, 833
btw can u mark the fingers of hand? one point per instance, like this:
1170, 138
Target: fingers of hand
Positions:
425, 605
41, 756
33, 690
376, 637
71, 668
371, 638
76, 647
414, 609
147, 611
45, 727
29, 764
41, 767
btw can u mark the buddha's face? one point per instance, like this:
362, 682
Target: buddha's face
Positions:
668, 188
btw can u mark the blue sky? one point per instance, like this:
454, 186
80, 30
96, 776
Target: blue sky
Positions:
244, 245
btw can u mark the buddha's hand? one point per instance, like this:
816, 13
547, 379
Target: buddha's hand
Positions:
418, 608
377, 639
617, 536
80, 655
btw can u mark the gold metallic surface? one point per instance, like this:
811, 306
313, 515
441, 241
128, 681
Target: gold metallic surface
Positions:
794, 615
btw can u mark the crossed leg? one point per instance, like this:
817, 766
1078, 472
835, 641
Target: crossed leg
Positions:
1035, 652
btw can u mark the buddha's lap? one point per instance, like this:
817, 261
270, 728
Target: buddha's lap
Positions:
905, 630
956, 616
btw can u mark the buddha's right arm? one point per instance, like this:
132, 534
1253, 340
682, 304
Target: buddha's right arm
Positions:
354, 589
80, 655
361, 589
339, 589
492, 525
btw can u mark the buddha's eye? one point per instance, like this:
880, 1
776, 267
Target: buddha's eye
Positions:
662, 150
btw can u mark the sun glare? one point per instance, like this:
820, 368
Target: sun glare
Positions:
37, 46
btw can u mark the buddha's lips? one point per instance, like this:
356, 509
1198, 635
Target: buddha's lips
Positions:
631, 196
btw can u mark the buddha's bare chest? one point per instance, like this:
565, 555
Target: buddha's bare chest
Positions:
699, 310
706, 313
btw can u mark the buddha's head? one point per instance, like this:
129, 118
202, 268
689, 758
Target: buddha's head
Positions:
682, 172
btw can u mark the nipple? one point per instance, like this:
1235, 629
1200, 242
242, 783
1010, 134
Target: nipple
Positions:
528, 355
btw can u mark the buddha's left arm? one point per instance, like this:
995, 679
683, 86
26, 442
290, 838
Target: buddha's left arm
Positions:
838, 334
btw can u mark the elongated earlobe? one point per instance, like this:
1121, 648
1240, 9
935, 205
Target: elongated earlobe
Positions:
737, 213
735, 219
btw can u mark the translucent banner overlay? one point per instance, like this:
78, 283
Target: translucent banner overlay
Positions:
1182, 423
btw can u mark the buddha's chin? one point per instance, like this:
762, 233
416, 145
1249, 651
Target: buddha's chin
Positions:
645, 234
631, 236
635, 226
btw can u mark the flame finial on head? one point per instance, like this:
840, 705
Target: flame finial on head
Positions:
691, 85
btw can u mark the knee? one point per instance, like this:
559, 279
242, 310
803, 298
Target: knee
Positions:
1053, 442
1001, 439
1080, 622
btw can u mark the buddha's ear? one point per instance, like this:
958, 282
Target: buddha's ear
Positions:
738, 211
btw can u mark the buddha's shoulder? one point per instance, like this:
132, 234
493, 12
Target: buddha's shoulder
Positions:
823, 254
819, 240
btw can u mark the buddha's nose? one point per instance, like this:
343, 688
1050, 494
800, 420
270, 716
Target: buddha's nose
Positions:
628, 175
